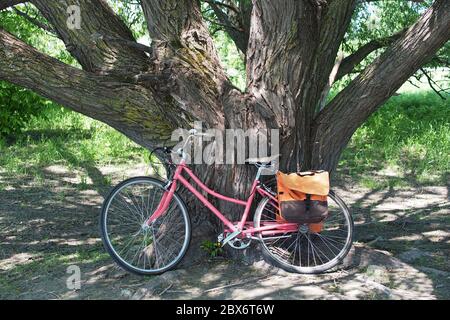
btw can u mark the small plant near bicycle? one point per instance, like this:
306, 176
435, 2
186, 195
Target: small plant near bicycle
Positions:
83, 185
301, 225
212, 248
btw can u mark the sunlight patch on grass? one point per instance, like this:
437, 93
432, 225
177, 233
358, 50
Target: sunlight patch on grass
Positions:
68, 139
410, 133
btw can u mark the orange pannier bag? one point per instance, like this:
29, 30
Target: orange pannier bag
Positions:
303, 198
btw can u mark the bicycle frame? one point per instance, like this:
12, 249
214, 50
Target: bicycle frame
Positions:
246, 228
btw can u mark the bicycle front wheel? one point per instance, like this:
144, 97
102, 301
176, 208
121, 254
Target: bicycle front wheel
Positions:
136, 247
311, 248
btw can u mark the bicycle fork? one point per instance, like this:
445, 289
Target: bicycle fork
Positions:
163, 205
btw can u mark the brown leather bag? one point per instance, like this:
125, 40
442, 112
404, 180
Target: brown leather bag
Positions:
303, 197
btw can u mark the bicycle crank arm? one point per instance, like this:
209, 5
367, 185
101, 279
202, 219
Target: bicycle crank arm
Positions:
230, 237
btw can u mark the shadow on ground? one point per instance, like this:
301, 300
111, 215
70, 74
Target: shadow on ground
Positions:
402, 247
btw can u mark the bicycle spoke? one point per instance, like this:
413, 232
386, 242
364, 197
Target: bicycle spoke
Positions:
124, 217
331, 239
125, 196
300, 249
129, 243
295, 249
134, 245
309, 250
323, 240
129, 208
318, 250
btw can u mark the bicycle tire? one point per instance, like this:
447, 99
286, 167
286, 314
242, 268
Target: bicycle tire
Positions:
307, 270
110, 247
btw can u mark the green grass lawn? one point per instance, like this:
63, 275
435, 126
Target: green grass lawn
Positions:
409, 136
408, 139
67, 138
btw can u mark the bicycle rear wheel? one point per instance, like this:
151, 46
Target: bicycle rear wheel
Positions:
141, 249
309, 249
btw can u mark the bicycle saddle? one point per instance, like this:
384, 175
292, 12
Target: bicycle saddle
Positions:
266, 162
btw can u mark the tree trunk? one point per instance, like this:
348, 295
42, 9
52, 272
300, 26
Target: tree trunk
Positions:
291, 53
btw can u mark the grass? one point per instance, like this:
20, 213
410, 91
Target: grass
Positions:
66, 138
406, 142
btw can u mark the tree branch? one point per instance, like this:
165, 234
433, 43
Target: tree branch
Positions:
240, 35
335, 23
222, 4
35, 21
432, 84
181, 42
125, 42
4, 4
178, 26
350, 62
96, 18
225, 26
169, 20
121, 105
335, 125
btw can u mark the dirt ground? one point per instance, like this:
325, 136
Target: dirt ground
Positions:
402, 247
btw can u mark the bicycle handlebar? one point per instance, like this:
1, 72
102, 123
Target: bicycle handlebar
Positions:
195, 133
192, 134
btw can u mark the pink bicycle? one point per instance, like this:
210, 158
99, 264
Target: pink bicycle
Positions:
146, 226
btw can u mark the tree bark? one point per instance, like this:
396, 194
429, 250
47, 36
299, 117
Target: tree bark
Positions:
85, 44
185, 50
126, 107
292, 49
335, 125
239, 33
